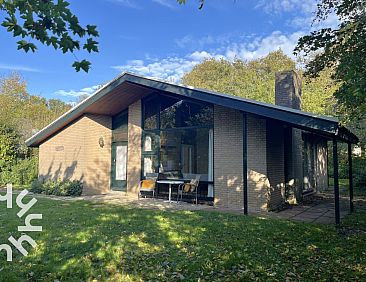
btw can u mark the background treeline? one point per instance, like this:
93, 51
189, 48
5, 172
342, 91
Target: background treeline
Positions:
22, 115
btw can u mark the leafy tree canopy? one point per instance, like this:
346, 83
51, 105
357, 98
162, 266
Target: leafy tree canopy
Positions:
51, 23
23, 112
342, 48
256, 80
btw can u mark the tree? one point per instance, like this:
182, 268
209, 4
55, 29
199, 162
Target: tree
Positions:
256, 80
342, 48
50, 23
8, 146
24, 112
249, 79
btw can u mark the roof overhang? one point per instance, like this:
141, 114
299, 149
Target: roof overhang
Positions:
127, 88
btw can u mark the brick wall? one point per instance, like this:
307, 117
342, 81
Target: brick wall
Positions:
322, 166
74, 153
275, 164
228, 160
134, 147
97, 170
265, 155
258, 184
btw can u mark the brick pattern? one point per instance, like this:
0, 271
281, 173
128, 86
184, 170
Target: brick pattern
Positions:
275, 164
74, 153
97, 171
258, 183
134, 147
297, 163
322, 166
288, 94
228, 160
288, 89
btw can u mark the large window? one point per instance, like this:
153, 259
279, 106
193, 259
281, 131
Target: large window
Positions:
177, 136
164, 112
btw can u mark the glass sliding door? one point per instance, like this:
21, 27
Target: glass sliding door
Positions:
178, 137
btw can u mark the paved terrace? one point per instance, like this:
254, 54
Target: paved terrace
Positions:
317, 209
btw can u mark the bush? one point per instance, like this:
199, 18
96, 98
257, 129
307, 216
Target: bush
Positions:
23, 172
58, 188
359, 173
36, 187
72, 188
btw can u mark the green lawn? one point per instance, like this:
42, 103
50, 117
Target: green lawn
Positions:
344, 188
83, 241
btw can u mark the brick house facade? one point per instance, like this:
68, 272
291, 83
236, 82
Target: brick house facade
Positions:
284, 148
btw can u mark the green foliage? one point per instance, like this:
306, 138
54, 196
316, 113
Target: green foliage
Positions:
21, 116
342, 48
8, 147
21, 173
201, 3
253, 79
36, 187
256, 80
71, 188
50, 23
23, 112
84, 65
359, 173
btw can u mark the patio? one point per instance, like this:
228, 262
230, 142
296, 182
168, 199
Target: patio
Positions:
318, 209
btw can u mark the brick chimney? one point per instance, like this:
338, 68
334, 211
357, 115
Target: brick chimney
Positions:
288, 89
288, 94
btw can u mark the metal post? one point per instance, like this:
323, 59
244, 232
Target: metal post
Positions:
245, 163
350, 176
336, 182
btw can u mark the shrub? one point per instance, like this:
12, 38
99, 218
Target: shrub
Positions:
359, 174
36, 187
51, 187
71, 188
23, 172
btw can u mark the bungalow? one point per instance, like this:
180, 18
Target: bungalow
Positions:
249, 154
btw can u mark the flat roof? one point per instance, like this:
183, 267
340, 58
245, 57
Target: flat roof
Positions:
127, 87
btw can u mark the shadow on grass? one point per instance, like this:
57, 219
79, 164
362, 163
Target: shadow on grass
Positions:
86, 241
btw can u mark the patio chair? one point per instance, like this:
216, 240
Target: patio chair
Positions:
189, 188
148, 184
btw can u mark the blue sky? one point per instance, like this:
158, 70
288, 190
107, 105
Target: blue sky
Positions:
160, 38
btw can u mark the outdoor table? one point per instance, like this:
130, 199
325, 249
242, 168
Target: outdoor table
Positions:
170, 182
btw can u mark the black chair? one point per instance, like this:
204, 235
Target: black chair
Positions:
189, 188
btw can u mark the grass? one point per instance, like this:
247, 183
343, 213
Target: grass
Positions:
344, 188
84, 241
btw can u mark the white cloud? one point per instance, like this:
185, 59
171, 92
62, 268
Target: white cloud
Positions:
302, 12
127, 3
171, 4
18, 68
77, 93
261, 46
281, 6
191, 41
172, 68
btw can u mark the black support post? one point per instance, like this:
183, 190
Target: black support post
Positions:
336, 182
245, 163
350, 177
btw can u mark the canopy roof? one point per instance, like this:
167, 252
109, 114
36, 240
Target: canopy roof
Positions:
127, 88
